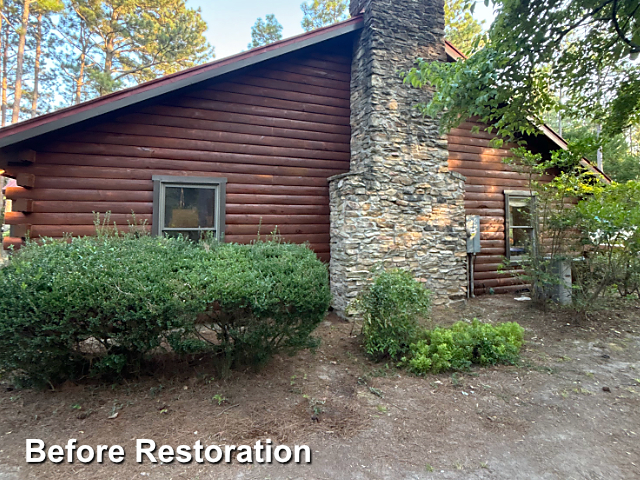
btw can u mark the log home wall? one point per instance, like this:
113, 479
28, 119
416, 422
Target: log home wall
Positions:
487, 179
276, 131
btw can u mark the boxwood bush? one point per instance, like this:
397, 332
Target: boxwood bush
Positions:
99, 305
465, 344
391, 308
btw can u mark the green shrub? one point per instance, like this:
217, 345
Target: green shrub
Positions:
93, 305
464, 344
391, 307
261, 299
99, 305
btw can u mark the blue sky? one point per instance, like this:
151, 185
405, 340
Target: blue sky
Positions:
230, 21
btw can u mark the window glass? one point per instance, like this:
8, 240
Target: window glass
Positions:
520, 212
520, 231
189, 207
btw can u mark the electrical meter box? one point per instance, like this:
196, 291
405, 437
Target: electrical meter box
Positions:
473, 234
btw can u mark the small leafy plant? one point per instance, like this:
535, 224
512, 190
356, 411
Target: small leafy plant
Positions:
464, 344
391, 308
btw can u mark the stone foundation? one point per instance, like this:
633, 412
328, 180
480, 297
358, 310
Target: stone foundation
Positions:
400, 206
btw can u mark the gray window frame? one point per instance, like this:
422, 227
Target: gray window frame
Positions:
160, 182
516, 194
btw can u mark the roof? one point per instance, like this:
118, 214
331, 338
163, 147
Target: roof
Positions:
43, 124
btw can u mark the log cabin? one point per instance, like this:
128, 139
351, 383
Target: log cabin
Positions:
314, 136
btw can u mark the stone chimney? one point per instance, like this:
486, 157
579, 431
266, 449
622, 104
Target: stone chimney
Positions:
399, 206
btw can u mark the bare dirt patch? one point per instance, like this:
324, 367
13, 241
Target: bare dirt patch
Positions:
548, 418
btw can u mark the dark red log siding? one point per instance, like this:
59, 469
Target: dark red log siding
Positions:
487, 179
276, 132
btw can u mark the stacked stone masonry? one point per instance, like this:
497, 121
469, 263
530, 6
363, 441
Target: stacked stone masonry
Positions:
399, 206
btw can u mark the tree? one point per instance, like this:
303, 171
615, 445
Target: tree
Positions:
533, 46
140, 40
265, 32
461, 29
320, 13
22, 40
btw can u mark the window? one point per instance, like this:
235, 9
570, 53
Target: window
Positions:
519, 224
188, 206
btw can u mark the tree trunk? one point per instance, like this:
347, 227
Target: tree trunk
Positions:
20, 61
36, 68
5, 83
600, 160
80, 79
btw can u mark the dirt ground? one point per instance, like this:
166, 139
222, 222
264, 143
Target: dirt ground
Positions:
570, 411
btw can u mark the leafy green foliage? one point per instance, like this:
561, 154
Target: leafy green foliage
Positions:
586, 47
265, 31
610, 220
94, 305
99, 306
464, 344
391, 307
260, 299
461, 29
321, 13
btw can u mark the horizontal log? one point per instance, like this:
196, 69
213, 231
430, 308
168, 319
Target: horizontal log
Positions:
492, 197
493, 251
492, 243
488, 212
278, 199
490, 259
249, 115
315, 62
147, 185
214, 121
247, 143
464, 130
253, 219
15, 218
484, 188
482, 163
498, 282
46, 206
226, 166
311, 101
147, 196
499, 174
9, 243
492, 181
146, 142
475, 204
483, 143
491, 220
488, 267
19, 193
288, 66
333, 114
338, 85
257, 209
288, 86
491, 235
146, 174
493, 275
20, 156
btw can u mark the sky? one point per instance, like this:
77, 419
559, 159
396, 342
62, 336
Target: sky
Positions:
230, 21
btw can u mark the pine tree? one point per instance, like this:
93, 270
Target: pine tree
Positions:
138, 40
265, 31
320, 13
